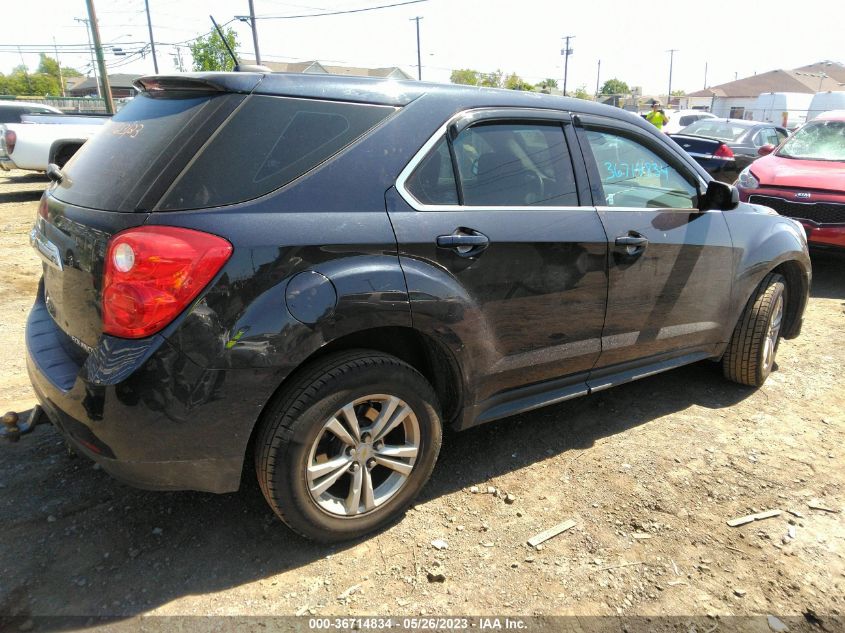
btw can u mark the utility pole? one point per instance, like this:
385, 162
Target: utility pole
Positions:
59, 64
177, 57
566, 52
91, 48
152, 40
254, 32
671, 52
98, 49
705, 75
419, 55
598, 76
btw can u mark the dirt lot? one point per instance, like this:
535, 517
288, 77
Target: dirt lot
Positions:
650, 473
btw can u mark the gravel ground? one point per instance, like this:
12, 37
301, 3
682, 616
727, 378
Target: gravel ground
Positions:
649, 472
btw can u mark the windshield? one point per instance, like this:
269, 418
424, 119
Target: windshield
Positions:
722, 130
820, 140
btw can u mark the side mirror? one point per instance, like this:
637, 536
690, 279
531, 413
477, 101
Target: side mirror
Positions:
766, 149
719, 195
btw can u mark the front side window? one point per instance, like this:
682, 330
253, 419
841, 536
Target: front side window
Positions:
632, 175
515, 164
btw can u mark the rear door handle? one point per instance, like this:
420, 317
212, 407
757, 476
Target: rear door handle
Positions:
631, 245
632, 240
451, 241
467, 242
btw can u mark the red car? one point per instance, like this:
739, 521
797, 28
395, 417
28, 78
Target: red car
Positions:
804, 178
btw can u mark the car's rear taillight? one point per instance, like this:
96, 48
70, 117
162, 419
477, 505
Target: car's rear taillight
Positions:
724, 152
10, 138
152, 273
42, 207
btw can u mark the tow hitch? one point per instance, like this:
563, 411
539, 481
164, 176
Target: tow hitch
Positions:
13, 427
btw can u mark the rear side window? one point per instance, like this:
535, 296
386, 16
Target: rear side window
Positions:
499, 164
515, 164
433, 182
269, 142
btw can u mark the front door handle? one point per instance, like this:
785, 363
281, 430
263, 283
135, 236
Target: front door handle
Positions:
467, 242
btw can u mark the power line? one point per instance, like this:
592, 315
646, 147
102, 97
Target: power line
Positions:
347, 11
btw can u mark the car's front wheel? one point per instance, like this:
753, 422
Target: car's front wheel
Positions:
751, 351
348, 445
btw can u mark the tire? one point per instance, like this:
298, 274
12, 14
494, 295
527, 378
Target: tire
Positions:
308, 472
751, 351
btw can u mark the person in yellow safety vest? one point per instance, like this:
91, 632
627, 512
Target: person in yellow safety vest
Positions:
657, 117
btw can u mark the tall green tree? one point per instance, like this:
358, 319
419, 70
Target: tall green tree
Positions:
615, 87
50, 66
515, 82
210, 53
21, 82
492, 80
581, 92
465, 76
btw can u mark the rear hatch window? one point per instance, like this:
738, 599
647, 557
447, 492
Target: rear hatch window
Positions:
188, 151
141, 149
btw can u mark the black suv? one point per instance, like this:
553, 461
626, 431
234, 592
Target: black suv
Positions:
321, 272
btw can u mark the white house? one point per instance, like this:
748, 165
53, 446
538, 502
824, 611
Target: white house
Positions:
736, 99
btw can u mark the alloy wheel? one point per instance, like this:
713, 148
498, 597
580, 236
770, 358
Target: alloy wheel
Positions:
363, 455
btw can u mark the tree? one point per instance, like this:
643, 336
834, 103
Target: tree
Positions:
210, 53
615, 87
21, 82
50, 66
492, 80
581, 92
549, 83
465, 76
679, 93
515, 82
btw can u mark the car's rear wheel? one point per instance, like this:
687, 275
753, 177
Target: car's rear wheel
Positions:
348, 445
751, 352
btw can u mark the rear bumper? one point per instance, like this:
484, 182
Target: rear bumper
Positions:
723, 170
141, 409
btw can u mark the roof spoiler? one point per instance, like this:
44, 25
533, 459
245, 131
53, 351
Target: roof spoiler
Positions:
252, 68
201, 82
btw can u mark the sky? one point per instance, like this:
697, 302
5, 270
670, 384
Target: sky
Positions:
630, 38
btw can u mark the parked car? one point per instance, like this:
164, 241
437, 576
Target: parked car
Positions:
12, 111
724, 147
40, 140
369, 261
805, 179
679, 119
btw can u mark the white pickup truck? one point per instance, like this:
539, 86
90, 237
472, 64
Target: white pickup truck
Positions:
39, 140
